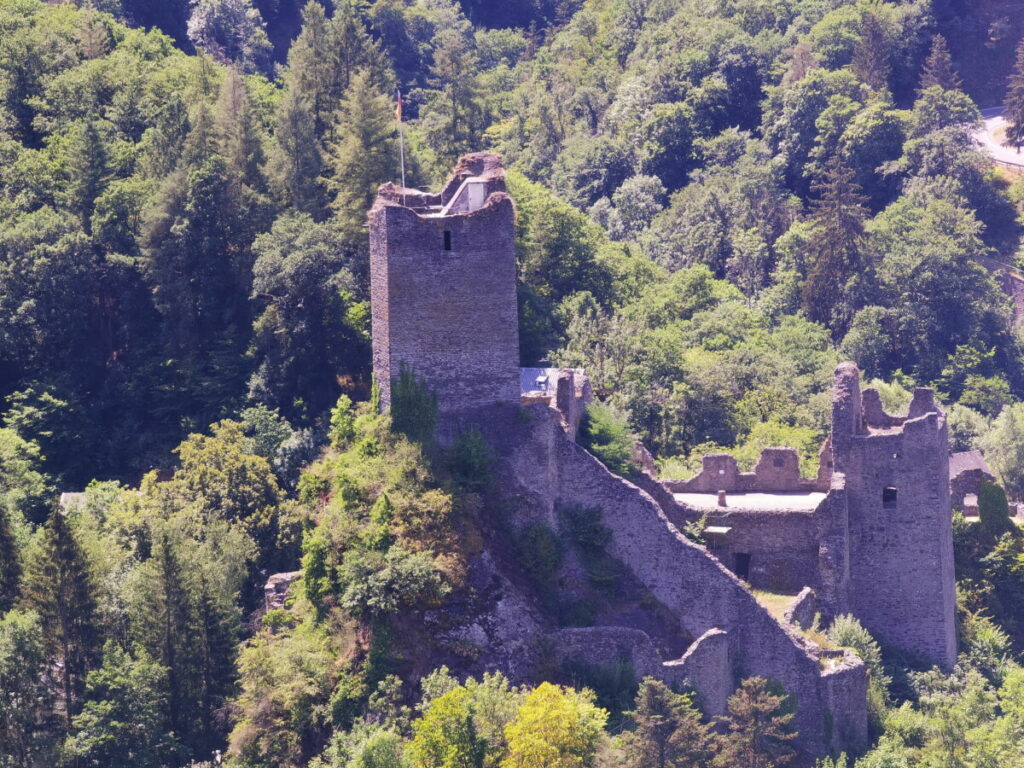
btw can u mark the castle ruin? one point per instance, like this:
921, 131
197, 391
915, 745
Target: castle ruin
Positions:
870, 534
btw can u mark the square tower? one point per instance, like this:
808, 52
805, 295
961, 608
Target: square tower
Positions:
443, 287
896, 468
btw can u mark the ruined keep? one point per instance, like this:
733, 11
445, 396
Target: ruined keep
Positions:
443, 287
443, 276
871, 534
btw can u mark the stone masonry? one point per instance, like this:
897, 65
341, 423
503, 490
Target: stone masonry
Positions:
871, 534
443, 276
443, 287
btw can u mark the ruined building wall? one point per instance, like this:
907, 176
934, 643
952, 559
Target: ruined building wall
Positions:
901, 583
443, 291
542, 469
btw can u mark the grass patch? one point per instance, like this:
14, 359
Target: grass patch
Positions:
777, 603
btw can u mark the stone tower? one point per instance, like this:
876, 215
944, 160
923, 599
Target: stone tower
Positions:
900, 542
443, 287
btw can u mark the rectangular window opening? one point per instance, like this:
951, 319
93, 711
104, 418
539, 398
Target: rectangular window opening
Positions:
778, 462
447, 239
889, 497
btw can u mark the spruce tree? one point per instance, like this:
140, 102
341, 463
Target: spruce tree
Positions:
871, 55
1015, 102
161, 620
364, 152
759, 728
234, 126
297, 164
836, 269
10, 563
668, 732
87, 172
59, 588
938, 68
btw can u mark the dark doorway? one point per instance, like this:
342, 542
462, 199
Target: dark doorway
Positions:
743, 565
447, 240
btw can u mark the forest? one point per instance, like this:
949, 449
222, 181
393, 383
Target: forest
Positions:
717, 201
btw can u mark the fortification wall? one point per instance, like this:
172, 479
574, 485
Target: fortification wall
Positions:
901, 583
444, 301
541, 469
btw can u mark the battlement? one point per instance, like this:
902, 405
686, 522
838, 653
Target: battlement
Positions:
443, 287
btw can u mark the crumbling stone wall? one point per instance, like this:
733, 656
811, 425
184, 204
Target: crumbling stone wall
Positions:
541, 468
900, 531
777, 471
443, 291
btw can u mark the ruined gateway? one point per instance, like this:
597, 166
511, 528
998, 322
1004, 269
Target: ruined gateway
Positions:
871, 535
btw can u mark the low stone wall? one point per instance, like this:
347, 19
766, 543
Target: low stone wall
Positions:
777, 471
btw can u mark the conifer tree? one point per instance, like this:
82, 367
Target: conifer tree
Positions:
162, 622
759, 728
235, 129
10, 563
59, 588
938, 68
871, 54
668, 730
297, 164
364, 153
1015, 102
310, 74
835, 266
87, 172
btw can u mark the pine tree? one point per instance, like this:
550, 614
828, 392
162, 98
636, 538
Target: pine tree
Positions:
668, 730
938, 68
364, 152
59, 588
835, 263
10, 563
759, 728
1015, 102
871, 54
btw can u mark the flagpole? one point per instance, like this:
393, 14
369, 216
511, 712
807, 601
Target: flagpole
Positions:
401, 141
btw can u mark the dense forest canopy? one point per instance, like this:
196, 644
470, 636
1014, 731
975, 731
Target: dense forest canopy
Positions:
717, 200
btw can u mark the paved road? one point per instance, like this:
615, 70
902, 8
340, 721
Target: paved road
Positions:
987, 138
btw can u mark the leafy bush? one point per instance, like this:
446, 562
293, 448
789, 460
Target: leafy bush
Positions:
471, 460
605, 433
413, 408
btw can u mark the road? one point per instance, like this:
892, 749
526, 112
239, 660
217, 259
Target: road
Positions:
993, 146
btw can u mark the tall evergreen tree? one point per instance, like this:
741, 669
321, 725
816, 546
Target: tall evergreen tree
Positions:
452, 118
871, 60
297, 163
87, 172
668, 733
836, 269
938, 68
238, 142
10, 562
1015, 102
162, 624
759, 728
364, 152
59, 588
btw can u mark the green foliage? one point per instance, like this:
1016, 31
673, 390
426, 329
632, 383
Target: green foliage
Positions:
59, 587
122, 722
471, 460
758, 727
445, 736
539, 552
847, 632
994, 510
668, 730
556, 727
605, 433
23, 707
413, 408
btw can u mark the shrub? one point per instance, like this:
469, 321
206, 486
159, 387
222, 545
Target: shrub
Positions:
605, 434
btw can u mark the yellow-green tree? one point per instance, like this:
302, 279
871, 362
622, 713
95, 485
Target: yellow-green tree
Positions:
445, 736
555, 727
